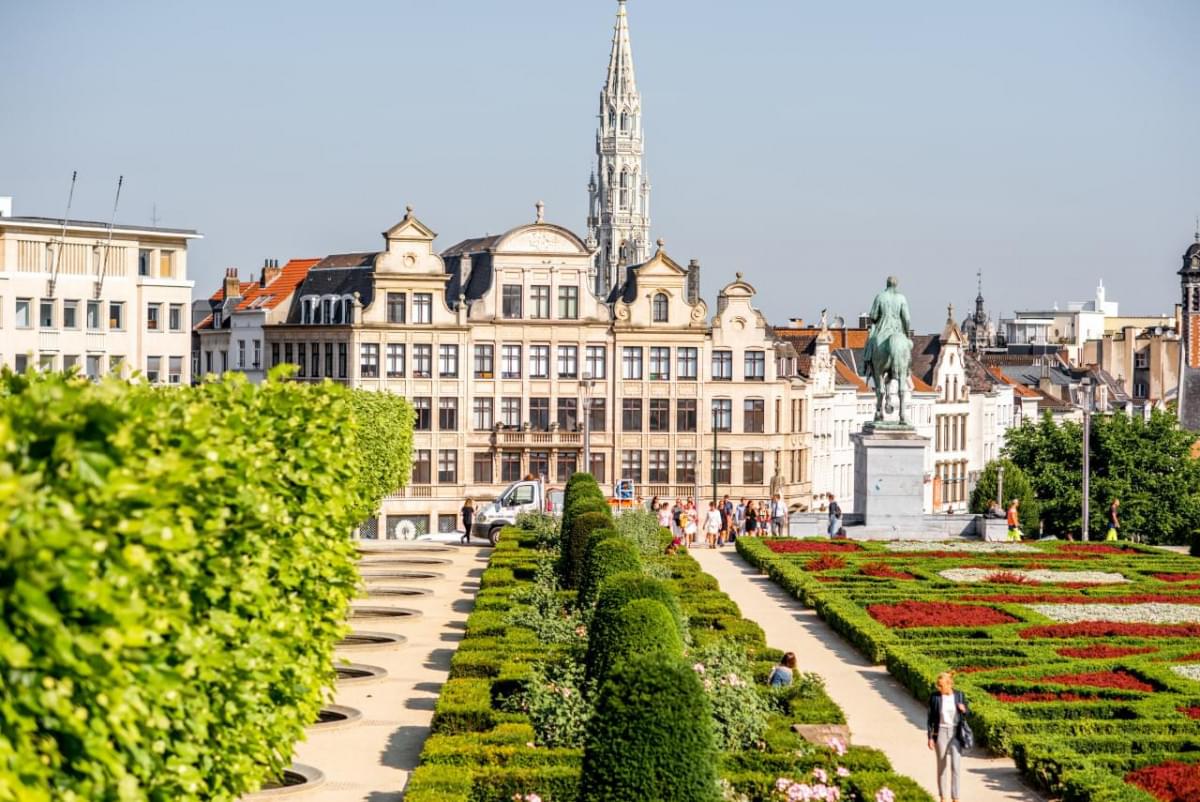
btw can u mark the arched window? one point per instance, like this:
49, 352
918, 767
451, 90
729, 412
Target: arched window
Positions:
624, 188
624, 121
327, 310
659, 307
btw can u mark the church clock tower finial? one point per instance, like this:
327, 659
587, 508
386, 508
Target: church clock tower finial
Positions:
619, 194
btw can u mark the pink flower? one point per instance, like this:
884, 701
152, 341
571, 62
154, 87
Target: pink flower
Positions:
842, 771
698, 668
821, 775
782, 784
885, 794
836, 745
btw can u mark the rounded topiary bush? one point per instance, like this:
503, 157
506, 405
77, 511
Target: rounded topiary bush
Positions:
644, 626
571, 556
619, 590
604, 557
651, 737
581, 488
579, 507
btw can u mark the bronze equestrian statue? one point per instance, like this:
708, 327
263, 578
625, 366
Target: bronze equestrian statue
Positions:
888, 354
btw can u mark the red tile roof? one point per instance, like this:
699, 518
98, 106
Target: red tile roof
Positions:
219, 295
279, 289
842, 338
850, 377
1018, 388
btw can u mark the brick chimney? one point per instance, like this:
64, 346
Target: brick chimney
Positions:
270, 272
232, 287
693, 282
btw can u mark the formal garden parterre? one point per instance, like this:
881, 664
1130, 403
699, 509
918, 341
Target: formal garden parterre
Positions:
596, 666
1081, 660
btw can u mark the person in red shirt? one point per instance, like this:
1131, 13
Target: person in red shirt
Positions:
1014, 520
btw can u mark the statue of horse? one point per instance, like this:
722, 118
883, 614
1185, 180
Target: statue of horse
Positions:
891, 359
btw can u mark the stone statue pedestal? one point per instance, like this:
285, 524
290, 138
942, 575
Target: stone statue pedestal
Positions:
889, 478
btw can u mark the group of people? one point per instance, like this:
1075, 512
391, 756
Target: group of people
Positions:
723, 522
1013, 519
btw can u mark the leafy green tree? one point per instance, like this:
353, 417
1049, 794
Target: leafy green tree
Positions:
1051, 456
1016, 485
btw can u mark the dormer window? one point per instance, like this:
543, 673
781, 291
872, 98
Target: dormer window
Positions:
660, 308
217, 319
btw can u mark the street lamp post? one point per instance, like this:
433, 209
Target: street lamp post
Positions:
1000, 485
586, 385
1086, 386
714, 458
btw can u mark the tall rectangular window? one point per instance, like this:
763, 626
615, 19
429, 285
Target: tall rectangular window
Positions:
685, 415
568, 414
723, 471
447, 467
596, 361
722, 409
175, 317
660, 466
568, 361
93, 316
631, 465
275, 360
116, 316
143, 262
369, 367
342, 361
448, 361
756, 366
93, 367
153, 369
422, 308
722, 365
71, 314
485, 361
316, 360
46, 313
539, 302
23, 316
539, 361
448, 414
166, 267
752, 468
539, 414
175, 369
631, 414
395, 360
598, 415
631, 363
539, 463
598, 468
482, 414
660, 364
510, 361
568, 303
241, 355
510, 466
685, 467
301, 360
754, 416
566, 466
422, 470
396, 305
482, 461
153, 317
660, 415
329, 361
687, 362
510, 301
423, 361
257, 363
423, 407
510, 412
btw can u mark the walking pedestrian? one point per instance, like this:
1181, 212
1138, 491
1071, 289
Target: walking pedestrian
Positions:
752, 519
948, 734
727, 533
739, 517
782, 674
689, 528
712, 526
778, 516
677, 516
468, 518
1014, 521
835, 516
1114, 519
664, 515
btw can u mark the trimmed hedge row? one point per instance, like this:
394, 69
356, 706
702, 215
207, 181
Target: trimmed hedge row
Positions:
176, 570
481, 752
1072, 747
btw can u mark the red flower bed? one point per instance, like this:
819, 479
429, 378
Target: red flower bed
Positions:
825, 562
1100, 651
1043, 696
1096, 548
1024, 598
1176, 577
1117, 680
1009, 578
1188, 658
909, 614
1068, 598
1190, 712
960, 555
1109, 629
807, 546
883, 572
1171, 781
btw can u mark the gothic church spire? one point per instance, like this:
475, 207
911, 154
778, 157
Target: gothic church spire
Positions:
619, 194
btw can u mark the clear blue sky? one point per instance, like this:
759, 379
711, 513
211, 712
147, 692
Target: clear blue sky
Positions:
815, 146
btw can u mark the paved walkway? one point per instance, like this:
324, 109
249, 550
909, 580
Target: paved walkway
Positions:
371, 759
879, 710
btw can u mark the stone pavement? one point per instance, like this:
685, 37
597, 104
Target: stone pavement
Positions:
371, 759
879, 711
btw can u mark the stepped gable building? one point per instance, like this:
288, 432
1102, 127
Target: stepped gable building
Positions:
99, 298
618, 222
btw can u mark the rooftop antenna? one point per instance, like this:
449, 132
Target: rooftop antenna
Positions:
62, 238
108, 245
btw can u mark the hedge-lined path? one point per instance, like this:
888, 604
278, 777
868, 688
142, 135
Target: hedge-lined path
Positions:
879, 710
371, 760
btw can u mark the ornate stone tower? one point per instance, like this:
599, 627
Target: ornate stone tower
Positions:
619, 190
1189, 375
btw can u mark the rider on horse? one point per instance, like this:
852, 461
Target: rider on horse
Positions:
888, 354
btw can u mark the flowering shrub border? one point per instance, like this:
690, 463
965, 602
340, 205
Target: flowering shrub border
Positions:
807, 546
909, 614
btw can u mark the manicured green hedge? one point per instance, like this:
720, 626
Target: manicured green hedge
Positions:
178, 569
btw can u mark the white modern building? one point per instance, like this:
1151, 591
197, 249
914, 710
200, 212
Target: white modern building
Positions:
83, 295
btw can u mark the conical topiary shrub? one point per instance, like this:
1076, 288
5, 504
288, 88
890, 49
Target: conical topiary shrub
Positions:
641, 627
604, 557
570, 559
651, 738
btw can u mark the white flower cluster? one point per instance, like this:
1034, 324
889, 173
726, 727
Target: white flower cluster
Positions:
1150, 613
1082, 577
1189, 671
960, 546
